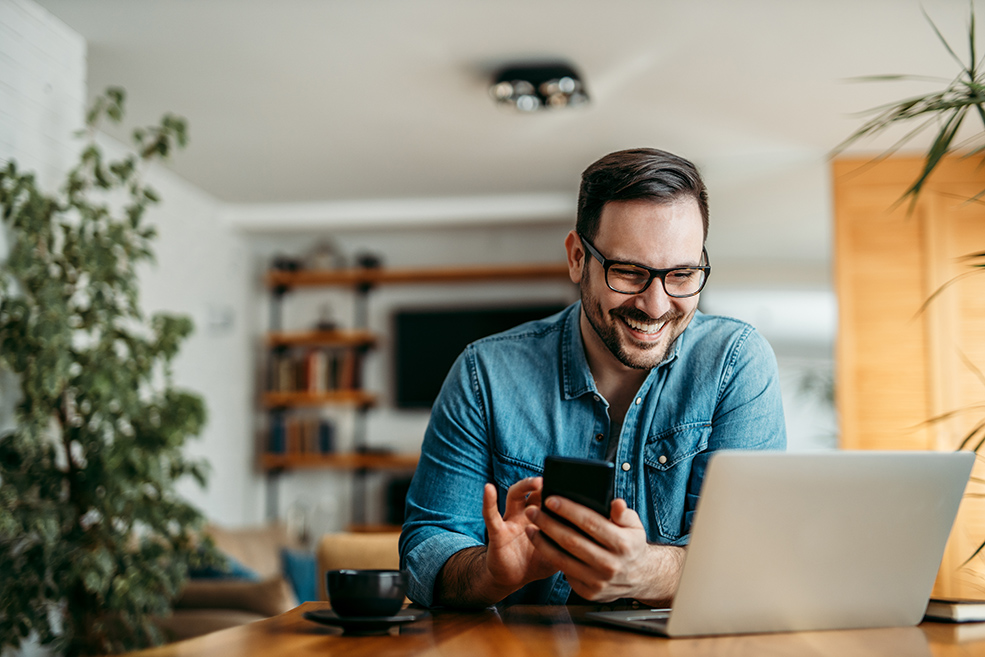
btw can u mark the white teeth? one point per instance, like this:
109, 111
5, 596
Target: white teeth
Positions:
644, 327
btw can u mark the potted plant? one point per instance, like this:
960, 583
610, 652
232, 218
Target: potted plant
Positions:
945, 112
95, 543
945, 109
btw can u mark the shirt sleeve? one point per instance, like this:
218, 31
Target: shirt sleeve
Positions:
748, 410
444, 504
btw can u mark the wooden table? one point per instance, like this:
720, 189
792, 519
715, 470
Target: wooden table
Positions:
544, 631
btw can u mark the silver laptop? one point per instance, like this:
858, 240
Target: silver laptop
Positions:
811, 541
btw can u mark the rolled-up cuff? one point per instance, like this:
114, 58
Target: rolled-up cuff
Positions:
425, 561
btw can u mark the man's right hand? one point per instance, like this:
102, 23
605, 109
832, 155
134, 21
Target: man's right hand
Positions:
511, 558
481, 576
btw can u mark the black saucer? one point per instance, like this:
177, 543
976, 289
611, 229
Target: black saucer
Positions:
364, 624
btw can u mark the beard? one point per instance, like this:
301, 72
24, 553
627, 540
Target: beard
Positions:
632, 353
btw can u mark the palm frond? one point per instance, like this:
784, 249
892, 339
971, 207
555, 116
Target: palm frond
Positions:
975, 554
971, 366
939, 291
950, 414
943, 40
971, 435
940, 148
896, 77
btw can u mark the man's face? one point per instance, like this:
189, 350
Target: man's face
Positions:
639, 329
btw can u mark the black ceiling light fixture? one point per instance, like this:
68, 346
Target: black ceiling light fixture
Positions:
533, 86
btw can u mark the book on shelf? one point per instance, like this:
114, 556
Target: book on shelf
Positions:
956, 610
300, 435
326, 437
314, 371
277, 440
347, 370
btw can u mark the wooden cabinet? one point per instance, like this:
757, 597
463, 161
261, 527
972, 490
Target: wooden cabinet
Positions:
310, 369
911, 340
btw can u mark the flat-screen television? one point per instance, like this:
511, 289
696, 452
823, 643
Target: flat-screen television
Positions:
427, 342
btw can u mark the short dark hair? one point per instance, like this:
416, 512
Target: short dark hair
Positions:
637, 174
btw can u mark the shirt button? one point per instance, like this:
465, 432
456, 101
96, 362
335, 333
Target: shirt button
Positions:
596, 397
639, 400
626, 467
600, 437
662, 459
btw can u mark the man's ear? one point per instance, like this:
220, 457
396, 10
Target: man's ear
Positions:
576, 256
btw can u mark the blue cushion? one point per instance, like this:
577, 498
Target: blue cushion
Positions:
301, 572
229, 569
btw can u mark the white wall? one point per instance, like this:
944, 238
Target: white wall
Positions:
202, 271
42, 90
201, 268
800, 321
42, 102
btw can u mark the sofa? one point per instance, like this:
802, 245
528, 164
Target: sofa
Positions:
214, 603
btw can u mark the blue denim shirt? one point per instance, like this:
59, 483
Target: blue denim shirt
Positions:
516, 397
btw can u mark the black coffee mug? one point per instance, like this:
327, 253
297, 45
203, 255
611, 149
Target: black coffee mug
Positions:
366, 593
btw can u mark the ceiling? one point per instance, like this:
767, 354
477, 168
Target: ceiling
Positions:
306, 101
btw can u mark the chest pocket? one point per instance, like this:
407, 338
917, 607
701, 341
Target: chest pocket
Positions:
668, 457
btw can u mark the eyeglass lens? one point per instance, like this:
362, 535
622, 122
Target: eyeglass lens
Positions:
630, 279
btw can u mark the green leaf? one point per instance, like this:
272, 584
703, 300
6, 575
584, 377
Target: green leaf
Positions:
938, 150
941, 36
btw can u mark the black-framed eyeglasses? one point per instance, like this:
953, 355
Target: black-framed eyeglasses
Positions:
630, 278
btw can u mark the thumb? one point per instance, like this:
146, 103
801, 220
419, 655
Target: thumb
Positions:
622, 515
490, 509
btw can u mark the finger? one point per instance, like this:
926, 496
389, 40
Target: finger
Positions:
571, 541
534, 498
549, 550
490, 510
606, 536
516, 496
560, 559
581, 516
623, 516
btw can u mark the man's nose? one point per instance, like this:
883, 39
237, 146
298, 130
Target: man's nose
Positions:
654, 300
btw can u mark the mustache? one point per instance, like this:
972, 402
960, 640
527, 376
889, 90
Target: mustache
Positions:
638, 315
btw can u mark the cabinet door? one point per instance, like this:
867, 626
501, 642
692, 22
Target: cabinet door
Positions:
881, 351
911, 342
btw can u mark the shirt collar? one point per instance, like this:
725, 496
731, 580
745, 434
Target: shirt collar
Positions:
576, 378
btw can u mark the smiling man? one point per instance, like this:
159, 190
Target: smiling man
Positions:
633, 374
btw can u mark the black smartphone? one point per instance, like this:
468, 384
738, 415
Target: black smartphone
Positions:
585, 481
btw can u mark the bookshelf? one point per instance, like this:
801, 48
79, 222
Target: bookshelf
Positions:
311, 369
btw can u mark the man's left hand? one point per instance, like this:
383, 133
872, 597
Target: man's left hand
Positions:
618, 563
